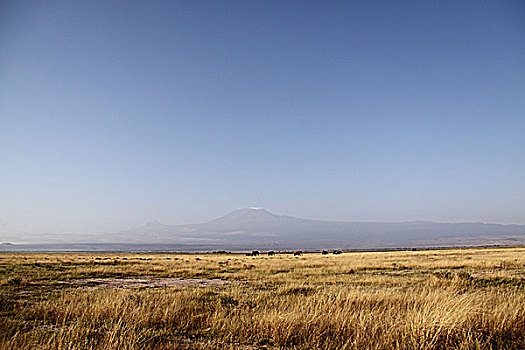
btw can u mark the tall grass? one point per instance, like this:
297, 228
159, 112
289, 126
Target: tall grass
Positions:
471, 299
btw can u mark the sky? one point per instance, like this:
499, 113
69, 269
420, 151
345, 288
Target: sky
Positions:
114, 113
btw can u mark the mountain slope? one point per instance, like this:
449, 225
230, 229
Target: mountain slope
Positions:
255, 225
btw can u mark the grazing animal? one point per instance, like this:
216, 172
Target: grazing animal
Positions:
324, 252
337, 252
297, 252
255, 252
271, 253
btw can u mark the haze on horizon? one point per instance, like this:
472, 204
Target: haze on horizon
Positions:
116, 113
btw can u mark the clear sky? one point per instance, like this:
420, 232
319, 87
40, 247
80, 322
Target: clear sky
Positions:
113, 113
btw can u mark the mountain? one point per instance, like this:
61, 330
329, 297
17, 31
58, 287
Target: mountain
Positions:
259, 227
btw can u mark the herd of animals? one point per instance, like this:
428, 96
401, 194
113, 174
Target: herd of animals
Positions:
295, 253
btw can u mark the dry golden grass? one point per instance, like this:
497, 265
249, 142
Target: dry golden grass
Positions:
449, 299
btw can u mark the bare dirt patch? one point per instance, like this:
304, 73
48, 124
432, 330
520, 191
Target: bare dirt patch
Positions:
143, 282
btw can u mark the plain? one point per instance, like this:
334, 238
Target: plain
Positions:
434, 299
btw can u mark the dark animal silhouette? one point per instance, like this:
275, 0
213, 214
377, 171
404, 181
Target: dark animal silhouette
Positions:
297, 252
271, 253
255, 252
337, 252
324, 252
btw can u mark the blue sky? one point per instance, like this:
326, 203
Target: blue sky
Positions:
115, 113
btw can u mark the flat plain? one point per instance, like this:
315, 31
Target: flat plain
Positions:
433, 299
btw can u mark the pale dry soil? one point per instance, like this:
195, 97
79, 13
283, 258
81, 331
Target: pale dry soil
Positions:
142, 282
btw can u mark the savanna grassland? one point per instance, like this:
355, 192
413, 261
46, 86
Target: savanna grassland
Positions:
441, 299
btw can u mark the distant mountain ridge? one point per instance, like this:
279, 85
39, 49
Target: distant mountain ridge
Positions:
258, 226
